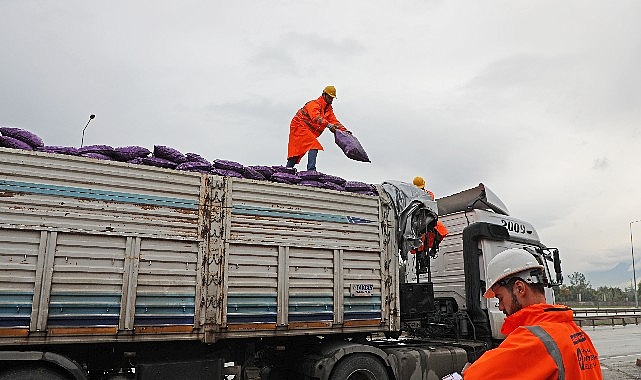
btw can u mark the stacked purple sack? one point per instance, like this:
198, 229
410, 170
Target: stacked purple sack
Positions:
227, 168
130, 153
99, 152
19, 139
68, 150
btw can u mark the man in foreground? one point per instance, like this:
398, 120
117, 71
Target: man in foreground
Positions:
542, 342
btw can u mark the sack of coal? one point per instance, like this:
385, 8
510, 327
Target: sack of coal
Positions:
350, 145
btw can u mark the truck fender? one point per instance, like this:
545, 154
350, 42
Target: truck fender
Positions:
52, 358
333, 352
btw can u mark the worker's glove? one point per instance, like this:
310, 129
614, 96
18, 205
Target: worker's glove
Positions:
331, 127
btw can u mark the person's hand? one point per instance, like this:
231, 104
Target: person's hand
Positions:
331, 127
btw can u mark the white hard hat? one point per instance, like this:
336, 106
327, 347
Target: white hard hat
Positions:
508, 263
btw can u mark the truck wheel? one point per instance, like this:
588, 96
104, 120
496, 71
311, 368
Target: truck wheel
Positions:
32, 373
359, 367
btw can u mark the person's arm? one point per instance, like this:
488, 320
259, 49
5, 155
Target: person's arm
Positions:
520, 356
334, 124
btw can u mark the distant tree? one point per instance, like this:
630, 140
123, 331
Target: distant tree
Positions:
580, 285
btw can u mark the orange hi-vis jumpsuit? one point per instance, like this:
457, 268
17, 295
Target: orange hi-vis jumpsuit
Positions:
308, 123
542, 343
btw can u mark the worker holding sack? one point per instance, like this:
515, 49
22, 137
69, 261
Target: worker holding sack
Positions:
308, 123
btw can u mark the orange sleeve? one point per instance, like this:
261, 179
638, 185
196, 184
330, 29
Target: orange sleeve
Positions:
520, 356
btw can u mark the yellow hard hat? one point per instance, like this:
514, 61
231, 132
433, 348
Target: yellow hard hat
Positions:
419, 182
331, 91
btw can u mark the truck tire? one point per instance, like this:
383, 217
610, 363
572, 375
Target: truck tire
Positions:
32, 373
359, 367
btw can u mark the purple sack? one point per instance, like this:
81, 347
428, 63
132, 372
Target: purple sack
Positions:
266, 171
285, 178
10, 142
333, 179
191, 157
333, 186
97, 156
138, 161
69, 150
158, 162
228, 165
355, 186
284, 169
310, 175
252, 173
105, 150
350, 145
170, 154
23, 135
128, 153
311, 183
194, 166
227, 173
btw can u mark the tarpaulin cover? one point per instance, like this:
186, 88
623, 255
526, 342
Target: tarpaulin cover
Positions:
415, 211
25, 136
169, 153
10, 142
350, 146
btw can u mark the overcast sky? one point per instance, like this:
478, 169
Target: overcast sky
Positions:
539, 100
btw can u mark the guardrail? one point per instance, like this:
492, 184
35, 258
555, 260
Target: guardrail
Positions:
610, 316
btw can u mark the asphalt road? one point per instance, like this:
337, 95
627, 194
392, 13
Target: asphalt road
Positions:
619, 347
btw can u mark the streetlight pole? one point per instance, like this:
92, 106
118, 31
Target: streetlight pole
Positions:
634, 272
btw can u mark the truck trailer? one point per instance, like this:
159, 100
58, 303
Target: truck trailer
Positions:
111, 270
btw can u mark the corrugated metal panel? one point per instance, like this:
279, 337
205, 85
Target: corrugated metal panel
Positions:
66, 193
18, 260
278, 214
87, 281
311, 285
252, 283
362, 268
166, 292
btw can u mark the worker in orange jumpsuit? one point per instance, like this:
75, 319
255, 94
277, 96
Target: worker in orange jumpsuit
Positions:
308, 123
440, 227
542, 342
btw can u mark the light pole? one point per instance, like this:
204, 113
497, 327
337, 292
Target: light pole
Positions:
634, 272
91, 117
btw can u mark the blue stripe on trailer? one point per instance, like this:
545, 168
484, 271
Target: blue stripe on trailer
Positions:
291, 214
305, 308
83, 309
251, 308
356, 308
15, 309
164, 309
93, 194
